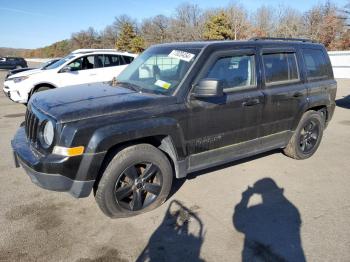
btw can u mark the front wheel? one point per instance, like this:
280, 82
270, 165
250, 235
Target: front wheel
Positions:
307, 137
137, 179
42, 88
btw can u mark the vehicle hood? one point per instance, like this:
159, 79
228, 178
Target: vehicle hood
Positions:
26, 73
16, 71
78, 102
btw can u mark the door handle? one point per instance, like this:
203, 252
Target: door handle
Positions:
251, 102
297, 94
92, 74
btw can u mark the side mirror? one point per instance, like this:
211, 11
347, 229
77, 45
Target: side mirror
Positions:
208, 87
66, 69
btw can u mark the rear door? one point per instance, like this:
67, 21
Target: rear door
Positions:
284, 89
111, 67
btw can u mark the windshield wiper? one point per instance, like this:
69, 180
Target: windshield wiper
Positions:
130, 86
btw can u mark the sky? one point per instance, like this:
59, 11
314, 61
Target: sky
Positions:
35, 23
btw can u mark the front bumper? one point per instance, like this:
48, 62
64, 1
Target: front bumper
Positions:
13, 93
41, 169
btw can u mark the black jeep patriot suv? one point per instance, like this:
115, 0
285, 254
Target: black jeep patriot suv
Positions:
177, 108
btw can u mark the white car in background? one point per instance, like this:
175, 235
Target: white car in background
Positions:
82, 66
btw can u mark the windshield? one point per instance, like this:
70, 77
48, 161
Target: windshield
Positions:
158, 69
48, 63
58, 63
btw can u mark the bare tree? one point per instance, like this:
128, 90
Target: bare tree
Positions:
263, 21
85, 38
289, 23
187, 23
155, 30
109, 37
238, 18
322, 24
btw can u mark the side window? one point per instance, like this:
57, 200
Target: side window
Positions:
82, 63
128, 59
99, 61
316, 65
234, 71
280, 67
115, 60
107, 61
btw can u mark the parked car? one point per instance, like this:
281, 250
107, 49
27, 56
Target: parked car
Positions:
82, 66
12, 63
43, 66
178, 108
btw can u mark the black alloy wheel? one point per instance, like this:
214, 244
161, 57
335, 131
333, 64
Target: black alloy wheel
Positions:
136, 180
138, 186
309, 136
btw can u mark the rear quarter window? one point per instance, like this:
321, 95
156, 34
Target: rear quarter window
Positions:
316, 64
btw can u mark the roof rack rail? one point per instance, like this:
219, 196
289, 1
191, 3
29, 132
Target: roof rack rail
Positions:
281, 39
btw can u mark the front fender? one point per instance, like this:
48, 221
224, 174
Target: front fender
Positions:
107, 136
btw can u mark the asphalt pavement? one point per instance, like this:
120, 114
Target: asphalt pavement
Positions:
295, 209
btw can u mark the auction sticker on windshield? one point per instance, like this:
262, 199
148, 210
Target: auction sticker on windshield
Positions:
182, 55
162, 84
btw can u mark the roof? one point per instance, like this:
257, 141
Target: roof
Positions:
101, 51
276, 41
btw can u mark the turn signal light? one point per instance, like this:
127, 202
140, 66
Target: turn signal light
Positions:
68, 151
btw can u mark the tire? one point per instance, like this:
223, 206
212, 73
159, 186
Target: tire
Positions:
307, 137
120, 186
18, 67
42, 88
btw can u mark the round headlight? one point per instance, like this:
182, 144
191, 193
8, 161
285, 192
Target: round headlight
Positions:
48, 133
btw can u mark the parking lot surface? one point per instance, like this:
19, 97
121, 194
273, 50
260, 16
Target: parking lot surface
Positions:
300, 209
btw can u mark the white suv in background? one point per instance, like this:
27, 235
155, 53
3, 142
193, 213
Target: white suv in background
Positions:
80, 67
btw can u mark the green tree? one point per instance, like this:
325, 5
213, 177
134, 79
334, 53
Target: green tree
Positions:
137, 44
128, 40
218, 27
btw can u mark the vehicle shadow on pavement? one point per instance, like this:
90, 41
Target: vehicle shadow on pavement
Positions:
343, 102
271, 228
178, 183
178, 238
232, 163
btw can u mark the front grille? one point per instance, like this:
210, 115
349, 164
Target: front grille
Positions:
31, 126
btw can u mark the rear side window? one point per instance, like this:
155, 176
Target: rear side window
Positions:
280, 67
128, 59
115, 60
315, 62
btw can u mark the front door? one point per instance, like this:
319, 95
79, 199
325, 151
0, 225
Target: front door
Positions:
217, 123
83, 70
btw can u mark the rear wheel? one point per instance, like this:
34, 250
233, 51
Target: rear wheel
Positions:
137, 179
307, 137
